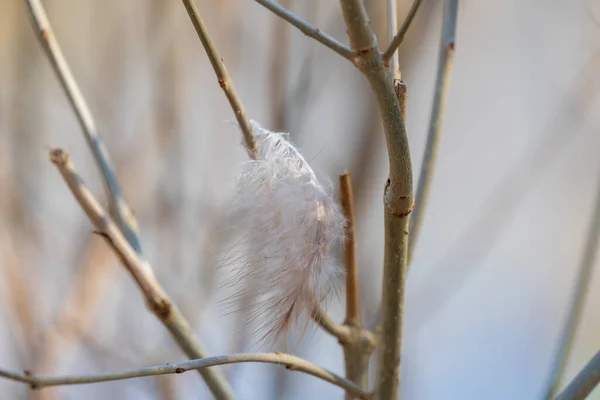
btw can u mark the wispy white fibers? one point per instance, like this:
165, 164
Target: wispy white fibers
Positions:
289, 223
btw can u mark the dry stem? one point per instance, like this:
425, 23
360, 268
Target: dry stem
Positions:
119, 208
156, 298
222, 76
290, 362
308, 29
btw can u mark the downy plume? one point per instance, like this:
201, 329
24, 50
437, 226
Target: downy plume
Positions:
289, 223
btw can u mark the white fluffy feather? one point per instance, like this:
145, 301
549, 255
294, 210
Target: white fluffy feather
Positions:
290, 223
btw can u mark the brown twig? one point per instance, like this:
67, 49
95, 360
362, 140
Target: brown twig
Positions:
156, 298
357, 350
223, 77
352, 295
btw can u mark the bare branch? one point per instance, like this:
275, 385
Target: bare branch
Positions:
308, 29
156, 298
397, 40
579, 295
435, 127
341, 332
584, 383
352, 296
392, 25
398, 194
222, 76
290, 362
442, 87
119, 208
357, 350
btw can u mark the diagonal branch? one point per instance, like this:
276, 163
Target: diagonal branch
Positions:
580, 291
290, 362
156, 298
222, 76
585, 381
442, 88
119, 208
308, 29
397, 40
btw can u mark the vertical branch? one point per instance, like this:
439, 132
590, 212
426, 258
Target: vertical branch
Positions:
398, 195
357, 350
580, 291
119, 208
392, 25
352, 296
222, 76
442, 88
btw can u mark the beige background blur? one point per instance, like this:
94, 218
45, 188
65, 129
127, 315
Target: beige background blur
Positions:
494, 269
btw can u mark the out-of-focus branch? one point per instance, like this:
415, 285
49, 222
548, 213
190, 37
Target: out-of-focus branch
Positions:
156, 298
584, 383
308, 29
442, 87
392, 25
580, 291
222, 76
119, 209
388, 55
290, 362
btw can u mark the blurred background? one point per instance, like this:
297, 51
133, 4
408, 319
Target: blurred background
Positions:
504, 233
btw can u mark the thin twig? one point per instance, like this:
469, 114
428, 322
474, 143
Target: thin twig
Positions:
290, 362
222, 76
579, 295
352, 296
156, 298
339, 331
119, 208
585, 381
308, 29
442, 87
392, 25
398, 193
395, 42
358, 350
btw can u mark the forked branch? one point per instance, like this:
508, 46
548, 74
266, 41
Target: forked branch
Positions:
156, 298
399, 37
119, 209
